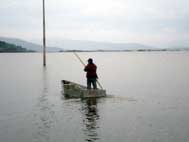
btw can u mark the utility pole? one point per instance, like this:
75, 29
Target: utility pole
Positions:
44, 36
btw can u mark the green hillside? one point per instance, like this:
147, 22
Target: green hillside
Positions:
7, 47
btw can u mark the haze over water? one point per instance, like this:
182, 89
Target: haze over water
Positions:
147, 102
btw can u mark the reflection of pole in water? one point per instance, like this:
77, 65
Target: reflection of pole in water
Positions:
43, 112
90, 119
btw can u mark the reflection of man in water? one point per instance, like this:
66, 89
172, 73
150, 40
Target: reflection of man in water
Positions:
91, 105
91, 75
91, 120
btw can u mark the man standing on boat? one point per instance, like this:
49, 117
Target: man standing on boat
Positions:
91, 75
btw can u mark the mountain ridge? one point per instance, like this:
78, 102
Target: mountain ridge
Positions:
28, 45
69, 44
57, 45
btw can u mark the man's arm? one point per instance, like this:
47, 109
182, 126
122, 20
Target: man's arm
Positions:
85, 69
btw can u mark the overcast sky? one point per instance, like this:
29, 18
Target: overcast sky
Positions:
152, 22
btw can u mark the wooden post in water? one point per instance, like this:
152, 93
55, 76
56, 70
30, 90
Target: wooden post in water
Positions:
44, 36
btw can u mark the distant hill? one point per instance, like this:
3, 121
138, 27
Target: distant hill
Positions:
68, 44
28, 45
56, 45
7, 47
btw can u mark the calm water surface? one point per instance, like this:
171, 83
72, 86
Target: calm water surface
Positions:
148, 98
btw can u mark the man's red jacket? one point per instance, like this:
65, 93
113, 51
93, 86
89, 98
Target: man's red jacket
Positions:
91, 70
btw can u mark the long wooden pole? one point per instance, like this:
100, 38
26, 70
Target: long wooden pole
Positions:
84, 66
44, 36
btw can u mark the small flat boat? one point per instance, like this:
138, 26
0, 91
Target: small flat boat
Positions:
74, 90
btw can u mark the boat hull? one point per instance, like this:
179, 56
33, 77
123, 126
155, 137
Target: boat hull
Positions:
74, 90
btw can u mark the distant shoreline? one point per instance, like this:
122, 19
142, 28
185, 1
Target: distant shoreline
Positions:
18, 45
67, 51
139, 50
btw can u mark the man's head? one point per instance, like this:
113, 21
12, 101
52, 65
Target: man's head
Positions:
90, 60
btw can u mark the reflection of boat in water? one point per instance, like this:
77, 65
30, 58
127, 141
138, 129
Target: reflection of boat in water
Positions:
74, 90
